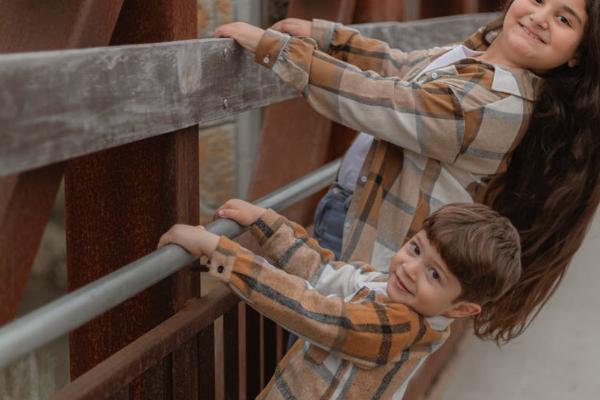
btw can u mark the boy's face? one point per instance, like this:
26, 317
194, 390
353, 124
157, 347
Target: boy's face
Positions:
420, 279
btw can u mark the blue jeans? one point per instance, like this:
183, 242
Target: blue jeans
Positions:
329, 225
330, 217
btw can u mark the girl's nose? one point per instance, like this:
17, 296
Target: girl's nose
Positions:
540, 19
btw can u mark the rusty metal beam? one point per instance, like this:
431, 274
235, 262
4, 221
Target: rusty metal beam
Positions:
119, 201
127, 364
26, 199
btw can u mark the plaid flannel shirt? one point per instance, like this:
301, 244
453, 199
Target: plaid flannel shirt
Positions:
439, 136
356, 343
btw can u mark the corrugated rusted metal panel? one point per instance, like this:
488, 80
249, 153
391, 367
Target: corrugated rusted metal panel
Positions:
26, 199
119, 202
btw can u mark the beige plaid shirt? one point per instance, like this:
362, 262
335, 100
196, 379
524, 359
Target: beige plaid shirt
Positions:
439, 136
357, 344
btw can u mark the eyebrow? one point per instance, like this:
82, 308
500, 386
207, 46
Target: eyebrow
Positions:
573, 13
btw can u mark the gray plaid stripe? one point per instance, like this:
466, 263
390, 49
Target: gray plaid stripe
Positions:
348, 383
289, 253
387, 379
378, 55
386, 338
326, 319
264, 228
282, 385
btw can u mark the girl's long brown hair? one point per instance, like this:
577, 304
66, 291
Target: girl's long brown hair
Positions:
551, 188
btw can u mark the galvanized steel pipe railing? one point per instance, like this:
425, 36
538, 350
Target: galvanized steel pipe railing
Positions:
61, 316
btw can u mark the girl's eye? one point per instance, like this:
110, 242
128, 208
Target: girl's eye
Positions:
539, 1
433, 273
415, 248
564, 20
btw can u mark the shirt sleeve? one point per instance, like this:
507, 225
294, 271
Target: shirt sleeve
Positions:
348, 44
366, 332
436, 117
291, 249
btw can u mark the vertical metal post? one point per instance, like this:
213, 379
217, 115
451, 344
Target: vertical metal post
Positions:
119, 202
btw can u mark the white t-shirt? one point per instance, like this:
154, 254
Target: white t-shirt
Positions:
356, 154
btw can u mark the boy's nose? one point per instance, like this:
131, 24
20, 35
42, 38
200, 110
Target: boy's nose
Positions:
411, 269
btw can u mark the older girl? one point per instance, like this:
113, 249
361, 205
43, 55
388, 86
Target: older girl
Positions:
507, 118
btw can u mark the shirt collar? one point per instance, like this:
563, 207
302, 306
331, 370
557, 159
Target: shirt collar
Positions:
516, 81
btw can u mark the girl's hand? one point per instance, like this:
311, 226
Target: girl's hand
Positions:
248, 36
240, 211
293, 26
195, 239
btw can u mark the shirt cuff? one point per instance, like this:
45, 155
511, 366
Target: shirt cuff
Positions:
269, 47
322, 32
223, 259
266, 226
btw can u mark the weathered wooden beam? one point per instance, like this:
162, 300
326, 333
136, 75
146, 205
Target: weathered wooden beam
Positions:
59, 105
127, 364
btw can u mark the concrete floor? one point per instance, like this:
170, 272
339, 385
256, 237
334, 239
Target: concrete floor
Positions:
557, 358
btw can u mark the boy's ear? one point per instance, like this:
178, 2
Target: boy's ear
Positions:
463, 309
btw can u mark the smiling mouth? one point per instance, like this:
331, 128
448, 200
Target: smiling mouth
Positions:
531, 34
402, 285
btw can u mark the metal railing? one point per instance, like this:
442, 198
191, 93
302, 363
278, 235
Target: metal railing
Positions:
84, 304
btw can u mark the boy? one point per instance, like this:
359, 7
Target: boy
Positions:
365, 332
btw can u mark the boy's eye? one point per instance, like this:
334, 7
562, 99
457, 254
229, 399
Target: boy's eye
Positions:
415, 248
433, 273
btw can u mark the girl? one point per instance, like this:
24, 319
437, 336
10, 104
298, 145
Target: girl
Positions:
507, 118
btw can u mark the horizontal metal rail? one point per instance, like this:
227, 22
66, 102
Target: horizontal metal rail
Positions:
121, 368
84, 304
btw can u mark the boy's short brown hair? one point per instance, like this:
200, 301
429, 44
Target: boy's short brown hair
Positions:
479, 246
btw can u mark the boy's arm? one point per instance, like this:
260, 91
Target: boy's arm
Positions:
365, 332
290, 248
439, 117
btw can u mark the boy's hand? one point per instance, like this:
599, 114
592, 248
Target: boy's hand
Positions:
248, 36
240, 211
293, 26
195, 239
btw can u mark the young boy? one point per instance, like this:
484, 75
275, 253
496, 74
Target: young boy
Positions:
365, 332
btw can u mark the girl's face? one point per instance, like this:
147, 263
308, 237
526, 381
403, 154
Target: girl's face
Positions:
540, 35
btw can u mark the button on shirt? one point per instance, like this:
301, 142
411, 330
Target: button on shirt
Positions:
436, 140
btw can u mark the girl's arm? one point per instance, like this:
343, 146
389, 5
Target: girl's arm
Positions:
429, 117
350, 45
366, 332
441, 116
